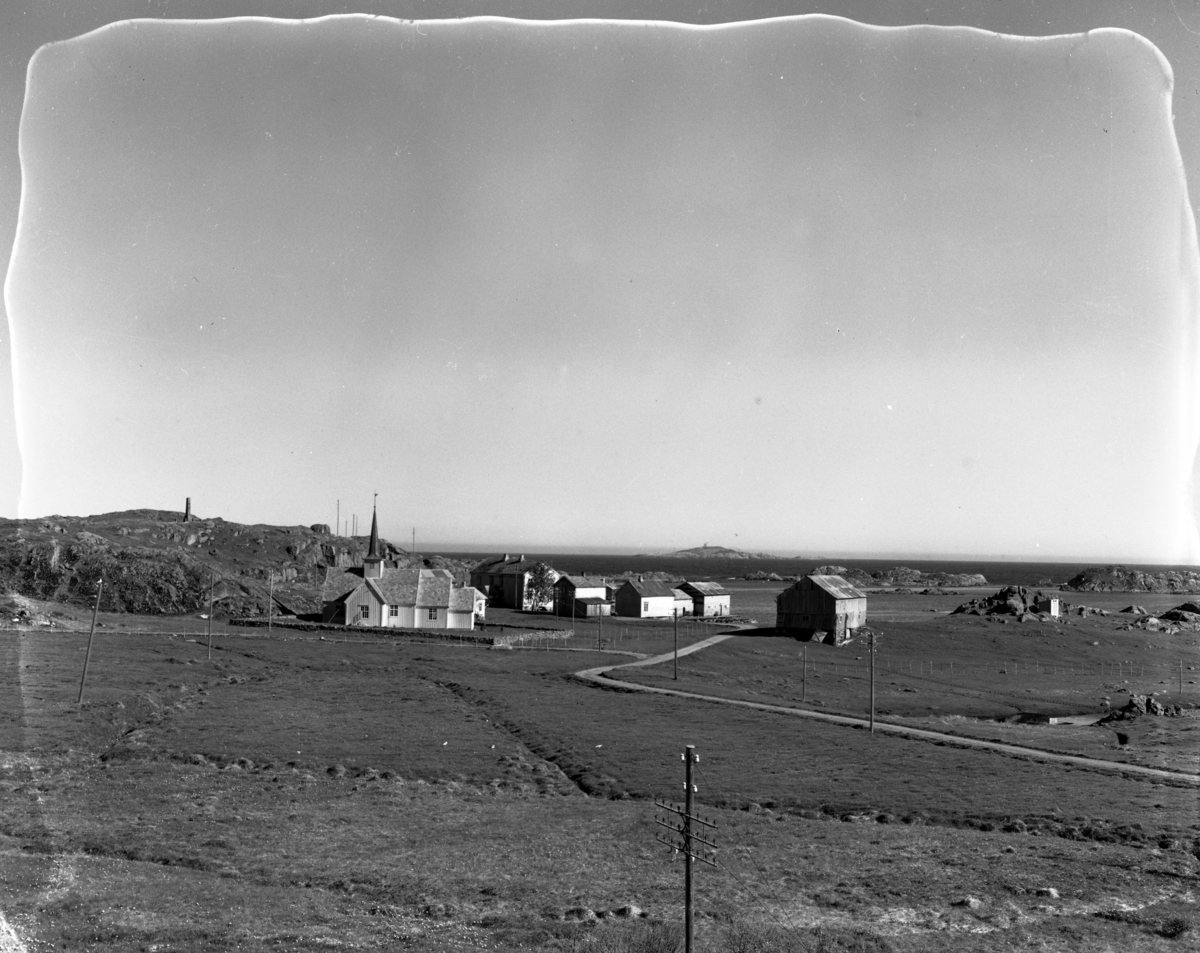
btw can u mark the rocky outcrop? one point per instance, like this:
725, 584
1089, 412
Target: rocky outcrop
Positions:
1142, 705
1011, 600
902, 577
152, 562
1124, 579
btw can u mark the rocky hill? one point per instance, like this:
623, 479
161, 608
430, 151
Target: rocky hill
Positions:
1124, 579
155, 562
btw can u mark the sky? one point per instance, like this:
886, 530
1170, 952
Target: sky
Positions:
785, 285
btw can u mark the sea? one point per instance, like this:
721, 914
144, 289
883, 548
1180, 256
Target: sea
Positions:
1006, 573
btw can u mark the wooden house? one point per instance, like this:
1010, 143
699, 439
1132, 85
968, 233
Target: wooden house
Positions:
821, 608
645, 600
708, 598
683, 602
505, 581
581, 597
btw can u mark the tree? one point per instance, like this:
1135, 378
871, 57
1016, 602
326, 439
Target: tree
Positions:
539, 586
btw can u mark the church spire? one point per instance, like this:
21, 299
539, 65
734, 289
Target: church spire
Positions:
373, 561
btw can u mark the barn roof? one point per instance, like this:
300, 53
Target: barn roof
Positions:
679, 594
837, 587
650, 587
592, 600
704, 588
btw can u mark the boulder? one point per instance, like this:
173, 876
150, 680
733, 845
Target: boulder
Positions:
1188, 612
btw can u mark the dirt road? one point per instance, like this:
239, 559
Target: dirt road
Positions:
601, 676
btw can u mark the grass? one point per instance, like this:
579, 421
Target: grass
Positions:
307, 794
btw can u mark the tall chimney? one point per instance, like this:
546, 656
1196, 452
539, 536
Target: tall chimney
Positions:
187, 511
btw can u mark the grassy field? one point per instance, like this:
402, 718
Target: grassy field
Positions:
304, 793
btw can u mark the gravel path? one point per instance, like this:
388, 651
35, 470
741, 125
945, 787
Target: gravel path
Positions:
600, 676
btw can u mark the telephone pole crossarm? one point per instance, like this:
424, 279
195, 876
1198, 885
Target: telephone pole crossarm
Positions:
708, 857
663, 805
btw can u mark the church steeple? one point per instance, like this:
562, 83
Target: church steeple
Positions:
373, 561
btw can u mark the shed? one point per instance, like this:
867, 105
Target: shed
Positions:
683, 602
1051, 606
822, 608
581, 596
708, 598
645, 599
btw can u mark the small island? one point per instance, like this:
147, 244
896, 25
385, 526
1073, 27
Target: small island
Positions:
710, 552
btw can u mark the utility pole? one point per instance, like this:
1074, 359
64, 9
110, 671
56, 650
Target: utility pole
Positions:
682, 826
599, 630
676, 675
804, 677
871, 638
1181, 676
337, 527
212, 583
91, 635
270, 601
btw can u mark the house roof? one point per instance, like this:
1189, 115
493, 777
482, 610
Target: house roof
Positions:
679, 594
704, 588
580, 582
592, 600
516, 565
650, 587
837, 587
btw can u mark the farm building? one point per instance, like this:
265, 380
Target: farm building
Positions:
506, 582
708, 598
824, 608
683, 602
1051, 606
645, 600
581, 597
379, 595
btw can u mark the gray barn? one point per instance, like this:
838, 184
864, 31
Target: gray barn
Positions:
824, 608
